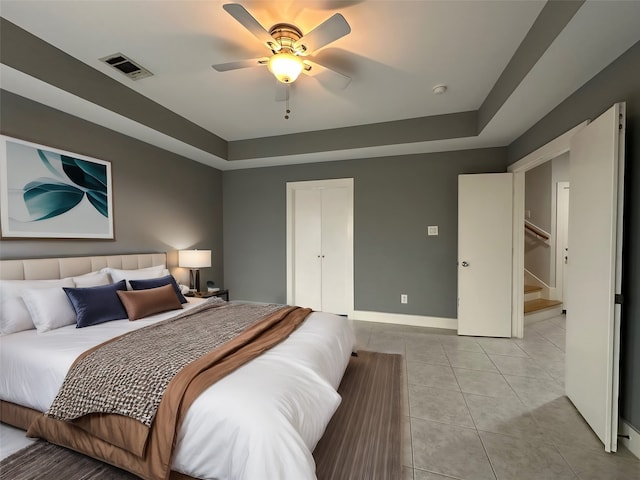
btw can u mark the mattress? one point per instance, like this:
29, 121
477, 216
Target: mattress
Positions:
262, 421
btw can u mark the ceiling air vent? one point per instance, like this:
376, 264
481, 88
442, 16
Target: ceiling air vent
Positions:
127, 66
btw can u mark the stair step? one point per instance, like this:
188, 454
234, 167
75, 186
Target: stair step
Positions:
532, 292
539, 304
532, 288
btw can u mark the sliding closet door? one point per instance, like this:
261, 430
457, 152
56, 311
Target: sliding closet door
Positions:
336, 226
307, 245
320, 245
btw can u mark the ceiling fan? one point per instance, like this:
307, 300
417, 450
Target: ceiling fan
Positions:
290, 48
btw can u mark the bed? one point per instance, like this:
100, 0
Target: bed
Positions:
263, 420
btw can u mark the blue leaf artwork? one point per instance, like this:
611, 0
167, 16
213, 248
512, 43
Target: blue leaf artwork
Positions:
47, 197
53, 194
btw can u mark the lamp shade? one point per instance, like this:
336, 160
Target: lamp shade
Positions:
194, 258
285, 66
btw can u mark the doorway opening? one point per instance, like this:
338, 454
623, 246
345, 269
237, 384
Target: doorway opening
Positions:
554, 149
546, 219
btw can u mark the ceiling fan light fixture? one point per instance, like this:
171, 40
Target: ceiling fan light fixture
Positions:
285, 66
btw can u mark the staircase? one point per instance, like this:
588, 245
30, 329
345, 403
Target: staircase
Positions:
537, 308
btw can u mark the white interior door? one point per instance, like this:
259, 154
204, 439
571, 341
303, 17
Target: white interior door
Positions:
485, 241
595, 227
307, 247
336, 225
320, 245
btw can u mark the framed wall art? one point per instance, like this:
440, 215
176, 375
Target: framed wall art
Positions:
50, 193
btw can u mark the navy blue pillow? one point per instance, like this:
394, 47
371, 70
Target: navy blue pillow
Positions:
158, 282
94, 305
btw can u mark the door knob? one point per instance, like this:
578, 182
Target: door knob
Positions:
465, 264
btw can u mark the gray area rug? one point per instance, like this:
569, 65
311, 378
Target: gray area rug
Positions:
44, 461
362, 441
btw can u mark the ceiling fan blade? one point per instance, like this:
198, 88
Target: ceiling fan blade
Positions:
247, 20
330, 30
254, 62
329, 78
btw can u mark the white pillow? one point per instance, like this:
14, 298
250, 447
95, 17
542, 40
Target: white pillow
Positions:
14, 316
93, 279
139, 274
50, 308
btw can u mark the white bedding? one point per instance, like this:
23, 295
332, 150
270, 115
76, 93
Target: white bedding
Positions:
262, 421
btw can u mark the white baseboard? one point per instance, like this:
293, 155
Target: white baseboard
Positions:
555, 294
403, 319
633, 442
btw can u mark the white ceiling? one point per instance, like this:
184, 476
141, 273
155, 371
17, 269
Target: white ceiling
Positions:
396, 52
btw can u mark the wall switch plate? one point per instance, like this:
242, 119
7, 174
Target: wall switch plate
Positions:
404, 298
432, 230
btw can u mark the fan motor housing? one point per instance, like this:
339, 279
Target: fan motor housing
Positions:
286, 35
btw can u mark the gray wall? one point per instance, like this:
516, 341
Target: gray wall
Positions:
162, 202
617, 83
395, 199
538, 195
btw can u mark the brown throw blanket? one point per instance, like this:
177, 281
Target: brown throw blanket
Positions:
126, 440
129, 374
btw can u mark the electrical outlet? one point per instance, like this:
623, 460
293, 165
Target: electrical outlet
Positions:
404, 298
432, 230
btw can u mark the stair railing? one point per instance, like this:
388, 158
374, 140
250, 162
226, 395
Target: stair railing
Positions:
536, 231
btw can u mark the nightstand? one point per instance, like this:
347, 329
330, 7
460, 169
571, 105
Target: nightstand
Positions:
219, 293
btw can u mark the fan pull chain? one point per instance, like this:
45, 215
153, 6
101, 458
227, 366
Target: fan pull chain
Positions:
287, 111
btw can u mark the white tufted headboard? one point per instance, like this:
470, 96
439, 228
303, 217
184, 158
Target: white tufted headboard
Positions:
52, 268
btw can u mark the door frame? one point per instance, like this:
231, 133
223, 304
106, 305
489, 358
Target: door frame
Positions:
319, 184
554, 148
562, 227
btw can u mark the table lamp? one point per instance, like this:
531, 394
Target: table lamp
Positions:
194, 260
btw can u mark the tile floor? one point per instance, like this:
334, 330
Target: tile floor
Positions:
11, 440
487, 408
481, 408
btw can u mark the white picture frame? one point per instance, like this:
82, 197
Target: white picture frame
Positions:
50, 193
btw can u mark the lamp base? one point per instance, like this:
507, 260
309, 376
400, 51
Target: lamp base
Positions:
194, 279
